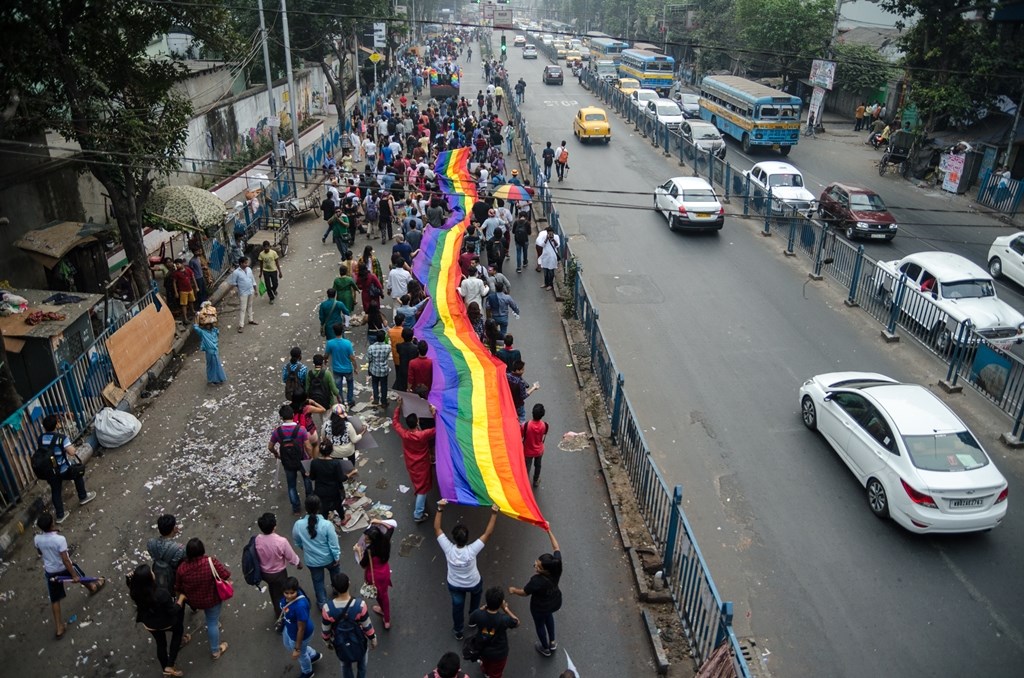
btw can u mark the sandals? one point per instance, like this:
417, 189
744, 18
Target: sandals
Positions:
221, 651
171, 671
60, 634
186, 639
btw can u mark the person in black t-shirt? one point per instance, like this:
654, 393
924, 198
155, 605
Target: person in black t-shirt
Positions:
493, 621
545, 596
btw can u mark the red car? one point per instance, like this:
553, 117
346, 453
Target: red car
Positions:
859, 212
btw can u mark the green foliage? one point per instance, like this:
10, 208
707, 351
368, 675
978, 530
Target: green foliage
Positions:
716, 34
956, 65
788, 34
859, 67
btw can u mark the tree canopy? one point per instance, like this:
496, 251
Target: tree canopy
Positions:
82, 69
859, 67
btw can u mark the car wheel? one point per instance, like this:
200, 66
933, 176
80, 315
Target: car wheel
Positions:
672, 222
878, 502
995, 267
785, 150
942, 338
849, 233
808, 413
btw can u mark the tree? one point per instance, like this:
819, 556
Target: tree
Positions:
80, 68
716, 34
956, 64
787, 34
858, 68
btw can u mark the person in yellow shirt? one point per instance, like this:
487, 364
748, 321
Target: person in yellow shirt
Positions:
859, 117
270, 269
499, 95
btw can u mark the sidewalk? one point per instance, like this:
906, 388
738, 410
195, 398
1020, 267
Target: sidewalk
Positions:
202, 456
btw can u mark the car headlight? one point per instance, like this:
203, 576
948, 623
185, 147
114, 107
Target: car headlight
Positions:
863, 225
893, 227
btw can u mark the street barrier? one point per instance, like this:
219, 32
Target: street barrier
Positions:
706, 618
1000, 192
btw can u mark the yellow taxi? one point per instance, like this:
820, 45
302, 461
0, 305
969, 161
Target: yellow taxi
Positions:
560, 53
591, 123
628, 85
573, 55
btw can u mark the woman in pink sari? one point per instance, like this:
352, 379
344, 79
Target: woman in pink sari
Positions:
373, 553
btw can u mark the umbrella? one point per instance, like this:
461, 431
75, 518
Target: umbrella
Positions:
186, 208
511, 192
457, 40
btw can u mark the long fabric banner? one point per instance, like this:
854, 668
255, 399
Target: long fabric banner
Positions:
479, 445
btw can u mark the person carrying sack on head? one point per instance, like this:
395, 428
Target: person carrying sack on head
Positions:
55, 461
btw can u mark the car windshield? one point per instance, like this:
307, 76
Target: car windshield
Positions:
968, 289
945, 452
691, 99
785, 180
599, 117
667, 109
698, 195
866, 202
706, 133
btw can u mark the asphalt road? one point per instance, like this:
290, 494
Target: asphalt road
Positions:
202, 455
714, 334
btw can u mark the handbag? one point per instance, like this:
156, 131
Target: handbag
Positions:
369, 589
279, 624
472, 647
225, 589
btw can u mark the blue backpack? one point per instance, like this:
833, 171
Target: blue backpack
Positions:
347, 637
251, 570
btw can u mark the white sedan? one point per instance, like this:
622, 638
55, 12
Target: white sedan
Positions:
785, 182
689, 203
918, 461
1006, 257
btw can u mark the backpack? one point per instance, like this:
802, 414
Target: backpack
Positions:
163, 568
522, 233
347, 637
292, 383
563, 157
495, 250
372, 211
289, 450
44, 459
251, 570
317, 390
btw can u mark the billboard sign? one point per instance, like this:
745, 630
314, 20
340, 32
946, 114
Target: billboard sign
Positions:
380, 35
823, 73
503, 18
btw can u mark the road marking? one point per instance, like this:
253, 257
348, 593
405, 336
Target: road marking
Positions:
570, 102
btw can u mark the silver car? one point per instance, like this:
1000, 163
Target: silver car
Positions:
702, 135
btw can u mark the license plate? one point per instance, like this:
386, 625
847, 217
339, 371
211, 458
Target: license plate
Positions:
703, 215
966, 503
877, 235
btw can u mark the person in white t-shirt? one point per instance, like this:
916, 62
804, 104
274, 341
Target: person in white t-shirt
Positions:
53, 547
463, 575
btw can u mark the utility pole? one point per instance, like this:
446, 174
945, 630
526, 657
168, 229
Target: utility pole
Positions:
296, 153
275, 152
355, 61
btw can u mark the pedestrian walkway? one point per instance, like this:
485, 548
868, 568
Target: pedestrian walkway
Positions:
202, 456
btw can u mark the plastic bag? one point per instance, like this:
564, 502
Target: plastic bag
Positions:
115, 428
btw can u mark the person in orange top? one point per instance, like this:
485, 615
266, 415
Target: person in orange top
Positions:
395, 335
416, 444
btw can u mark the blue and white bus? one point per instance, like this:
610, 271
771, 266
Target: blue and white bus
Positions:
752, 113
607, 48
654, 71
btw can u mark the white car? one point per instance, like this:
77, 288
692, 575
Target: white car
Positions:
520, 41
640, 97
665, 111
689, 203
919, 463
702, 135
1006, 257
959, 290
529, 51
786, 184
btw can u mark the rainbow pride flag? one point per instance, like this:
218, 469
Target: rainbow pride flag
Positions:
479, 445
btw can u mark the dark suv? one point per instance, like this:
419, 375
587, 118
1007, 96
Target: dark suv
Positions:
552, 75
859, 212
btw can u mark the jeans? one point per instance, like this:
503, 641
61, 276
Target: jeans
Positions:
545, 625
57, 491
421, 506
316, 573
547, 172
270, 280
293, 493
560, 168
509, 140
549, 277
522, 256
459, 603
349, 386
306, 653
380, 388
360, 672
521, 413
213, 626
502, 323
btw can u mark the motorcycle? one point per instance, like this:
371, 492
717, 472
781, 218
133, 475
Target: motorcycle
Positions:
877, 141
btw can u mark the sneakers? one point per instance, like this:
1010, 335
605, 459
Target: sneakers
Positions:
472, 625
458, 635
542, 650
88, 497
422, 519
553, 646
62, 518
314, 660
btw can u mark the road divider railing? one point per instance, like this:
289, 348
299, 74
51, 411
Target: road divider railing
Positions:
970, 355
705, 617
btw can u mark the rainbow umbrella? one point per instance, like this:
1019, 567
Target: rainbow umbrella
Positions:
511, 192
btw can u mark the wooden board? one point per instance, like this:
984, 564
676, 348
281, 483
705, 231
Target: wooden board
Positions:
140, 342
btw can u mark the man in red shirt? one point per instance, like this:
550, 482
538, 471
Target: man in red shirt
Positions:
184, 283
416, 444
534, 433
421, 372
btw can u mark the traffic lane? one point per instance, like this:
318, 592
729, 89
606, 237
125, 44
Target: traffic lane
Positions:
648, 379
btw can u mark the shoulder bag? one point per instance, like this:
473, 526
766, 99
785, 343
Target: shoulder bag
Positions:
225, 589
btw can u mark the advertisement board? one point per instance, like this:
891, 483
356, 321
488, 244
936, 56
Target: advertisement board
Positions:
823, 73
503, 18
